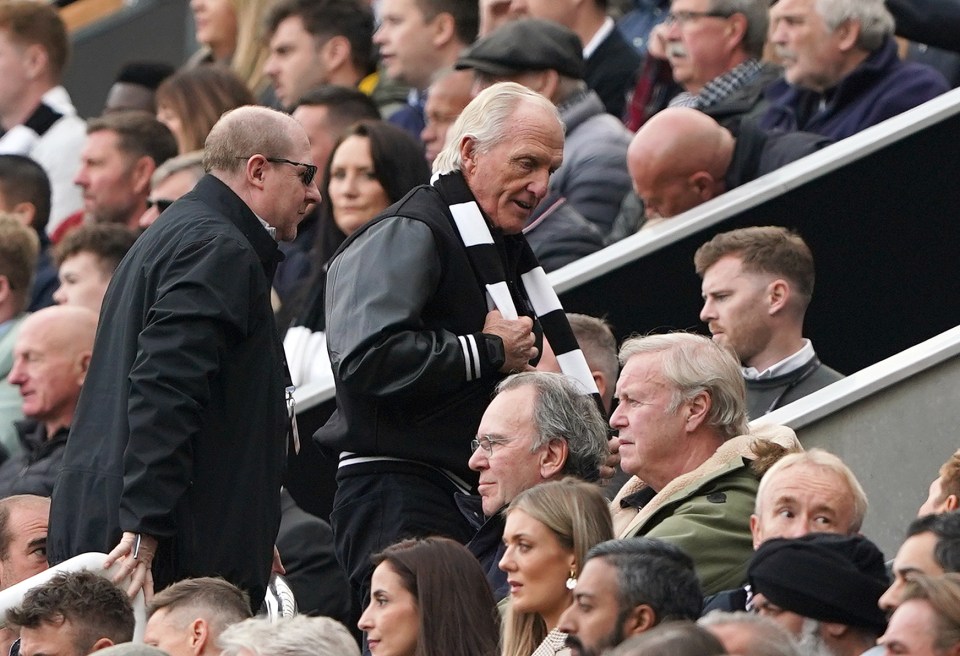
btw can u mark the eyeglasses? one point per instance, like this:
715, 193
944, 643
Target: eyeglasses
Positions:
306, 176
160, 203
487, 443
684, 17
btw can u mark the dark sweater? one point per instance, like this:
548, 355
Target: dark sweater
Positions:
767, 395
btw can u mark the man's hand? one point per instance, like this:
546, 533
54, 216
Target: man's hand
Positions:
609, 467
135, 562
518, 340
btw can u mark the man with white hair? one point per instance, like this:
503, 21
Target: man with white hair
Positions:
841, 69
684, 436
415, 349
184, 402
291, 636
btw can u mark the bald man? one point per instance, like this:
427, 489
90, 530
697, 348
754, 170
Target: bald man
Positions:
681, 158
176, 454
50, 360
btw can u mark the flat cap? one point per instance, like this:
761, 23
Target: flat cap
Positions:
528, 44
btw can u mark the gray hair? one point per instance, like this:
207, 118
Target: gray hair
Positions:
693, 364
767, 638
487, 120
876, 23
244, 132
655, 573
563, 411
192, 161
757, 14
299, 635
824, 460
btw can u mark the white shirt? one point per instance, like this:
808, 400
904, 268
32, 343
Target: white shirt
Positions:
785, 366
598, 37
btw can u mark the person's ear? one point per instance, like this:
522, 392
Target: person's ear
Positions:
697, 410
778, 295
444, 29
549, 85
950, 503
468, 155
553, 457
847, 34
335, 53
736, 30
642, 618
34, 60
199, 635
25, 212
833, 629
102, 643
141, 173
5, 289
755, 530
255, 171
703, 185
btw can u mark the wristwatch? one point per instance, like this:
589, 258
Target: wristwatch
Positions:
495, 352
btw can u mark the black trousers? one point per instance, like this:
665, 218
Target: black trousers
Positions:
378, 504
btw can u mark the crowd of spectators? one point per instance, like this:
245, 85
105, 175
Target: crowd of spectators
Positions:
510, 480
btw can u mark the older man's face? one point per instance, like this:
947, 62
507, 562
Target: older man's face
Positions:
804, 499
650, 431
27, 551
809, 51
510, 179
510, 468
698, 45
286, 192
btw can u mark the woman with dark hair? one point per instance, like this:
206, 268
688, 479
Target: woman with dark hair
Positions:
429, 597
191, 101
372, 166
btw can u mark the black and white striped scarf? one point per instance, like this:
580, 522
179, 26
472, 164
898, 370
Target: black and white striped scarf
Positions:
472, 227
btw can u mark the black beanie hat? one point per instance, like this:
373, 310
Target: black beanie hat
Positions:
829, 578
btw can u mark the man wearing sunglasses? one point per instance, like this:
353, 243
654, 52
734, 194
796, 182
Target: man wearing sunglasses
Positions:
186, 415
170, 181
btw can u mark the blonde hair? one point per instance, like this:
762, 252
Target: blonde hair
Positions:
578, 516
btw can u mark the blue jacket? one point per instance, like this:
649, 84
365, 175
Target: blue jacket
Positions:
881, 87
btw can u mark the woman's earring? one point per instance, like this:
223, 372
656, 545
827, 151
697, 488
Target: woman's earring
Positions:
572, 579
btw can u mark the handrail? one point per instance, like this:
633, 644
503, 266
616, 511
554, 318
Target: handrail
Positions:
93, 561
756, 192
866, 382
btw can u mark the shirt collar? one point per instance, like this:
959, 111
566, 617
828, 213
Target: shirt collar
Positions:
269, 228
785, 366
598, 37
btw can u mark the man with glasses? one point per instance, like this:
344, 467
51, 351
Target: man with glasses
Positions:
178, 444
539, 427
170, 181
714, 49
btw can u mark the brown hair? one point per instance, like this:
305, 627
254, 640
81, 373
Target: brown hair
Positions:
199, 97
223, 602
109, 242
769, 249
458, 619
138, 133
943, 594
19, 247
94, 606
31, 22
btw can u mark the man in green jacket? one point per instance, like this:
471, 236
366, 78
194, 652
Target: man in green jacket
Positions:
683, 434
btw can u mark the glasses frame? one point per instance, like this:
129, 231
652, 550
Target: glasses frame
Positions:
162, 204
486, 442
681, 18
306, 176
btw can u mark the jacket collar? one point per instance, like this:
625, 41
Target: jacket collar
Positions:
732, 454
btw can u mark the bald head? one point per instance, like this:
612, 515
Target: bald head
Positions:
678, 160
51, 356
264, 156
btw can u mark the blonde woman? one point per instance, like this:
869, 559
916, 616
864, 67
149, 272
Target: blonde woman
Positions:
549, 529
230, 32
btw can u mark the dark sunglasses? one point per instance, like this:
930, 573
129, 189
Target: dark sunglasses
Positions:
306, 176
160, 203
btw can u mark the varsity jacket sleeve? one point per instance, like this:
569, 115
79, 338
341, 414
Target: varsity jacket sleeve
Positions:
377, 290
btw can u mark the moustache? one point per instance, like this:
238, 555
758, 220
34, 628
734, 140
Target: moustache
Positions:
676, 50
